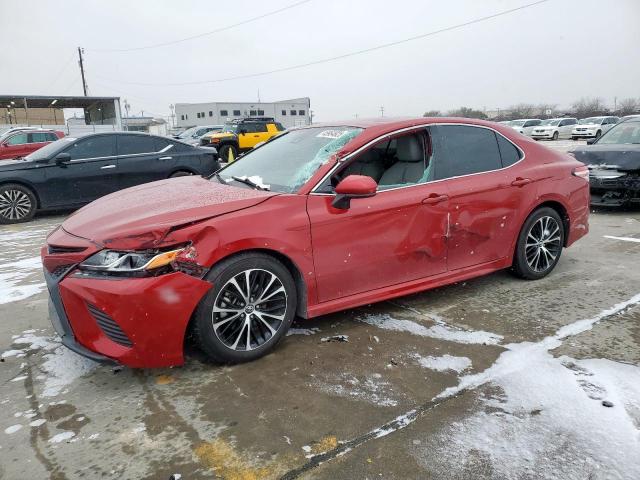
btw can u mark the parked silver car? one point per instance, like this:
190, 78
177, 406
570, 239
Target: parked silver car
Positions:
554, 128
525, 125
593, 127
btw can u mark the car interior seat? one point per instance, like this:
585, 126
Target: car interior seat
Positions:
409, 167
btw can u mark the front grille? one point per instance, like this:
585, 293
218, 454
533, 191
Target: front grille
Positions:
109, 326
60, 270
54, 249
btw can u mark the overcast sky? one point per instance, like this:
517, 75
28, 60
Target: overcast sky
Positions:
554, 52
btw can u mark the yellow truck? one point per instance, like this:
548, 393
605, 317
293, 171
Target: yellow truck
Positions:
239, 136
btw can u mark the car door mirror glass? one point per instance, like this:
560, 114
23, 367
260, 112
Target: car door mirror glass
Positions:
243, 131
353, 186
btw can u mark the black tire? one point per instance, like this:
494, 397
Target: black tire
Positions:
17, 203
536, 139
524, 259
180, 173
223, 152
239, 309
598, 134
574, 138
555, 136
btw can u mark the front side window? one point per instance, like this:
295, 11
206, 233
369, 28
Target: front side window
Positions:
463, 150
93, 147
134, 144
18, 139
288, 161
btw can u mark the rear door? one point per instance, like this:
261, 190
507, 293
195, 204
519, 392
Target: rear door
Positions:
38, 140
484, 198
141, 161
90, 174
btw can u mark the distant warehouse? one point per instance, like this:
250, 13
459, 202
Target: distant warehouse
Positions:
290, 113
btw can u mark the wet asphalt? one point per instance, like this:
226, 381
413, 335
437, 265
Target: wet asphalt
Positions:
374, 406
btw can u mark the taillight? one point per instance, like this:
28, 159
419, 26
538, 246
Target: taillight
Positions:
582, 171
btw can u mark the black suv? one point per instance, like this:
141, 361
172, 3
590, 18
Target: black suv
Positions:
74, 171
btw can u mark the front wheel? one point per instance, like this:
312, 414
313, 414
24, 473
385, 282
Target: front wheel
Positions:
539, 244
555, 135
248, 310
17, 204
227, 153
598, 134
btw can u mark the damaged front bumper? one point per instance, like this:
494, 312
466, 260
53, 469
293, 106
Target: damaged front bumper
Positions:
613, 187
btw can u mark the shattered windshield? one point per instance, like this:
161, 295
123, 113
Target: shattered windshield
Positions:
290, 160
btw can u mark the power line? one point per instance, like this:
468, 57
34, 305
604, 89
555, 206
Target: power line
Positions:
62, 70
200, 35
339, 57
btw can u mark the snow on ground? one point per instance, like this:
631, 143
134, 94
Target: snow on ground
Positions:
303, 331
439, 331
444, 363
371, 389
62, 437
549, 421
17, 280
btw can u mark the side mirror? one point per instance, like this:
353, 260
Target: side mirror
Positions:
243, 131
591, 141
62, 158
353, 186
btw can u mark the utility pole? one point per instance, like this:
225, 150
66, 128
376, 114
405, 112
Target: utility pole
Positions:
84, 82
382, 111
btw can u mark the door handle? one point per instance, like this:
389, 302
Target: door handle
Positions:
521, 182
165, 158
107, 166
256, 136
434, 198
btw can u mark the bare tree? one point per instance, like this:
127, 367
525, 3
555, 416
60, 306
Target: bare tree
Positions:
627, 106
432, 113
542, 109
589, 107
522, 110
467, 113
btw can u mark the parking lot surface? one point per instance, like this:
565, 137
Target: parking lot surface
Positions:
490, 378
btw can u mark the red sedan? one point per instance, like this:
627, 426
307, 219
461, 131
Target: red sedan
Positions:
316, 220
21, 143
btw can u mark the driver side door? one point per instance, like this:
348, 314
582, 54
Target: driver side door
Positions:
396, 236
91, 172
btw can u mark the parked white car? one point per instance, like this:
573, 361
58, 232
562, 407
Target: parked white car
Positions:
593, 127
525, 125
192, 135
554, 128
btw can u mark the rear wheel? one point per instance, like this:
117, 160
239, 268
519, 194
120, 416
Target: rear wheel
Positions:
249, 309
539, 244
555, 135
227, 153
17, 204
180, 173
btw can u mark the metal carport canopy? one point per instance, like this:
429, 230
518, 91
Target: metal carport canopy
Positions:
42, 101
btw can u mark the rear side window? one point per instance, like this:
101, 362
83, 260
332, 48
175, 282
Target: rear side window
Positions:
508, 151
51, 137
161, 143
39, 137
133, 144
463, 150
93, 147
279, 126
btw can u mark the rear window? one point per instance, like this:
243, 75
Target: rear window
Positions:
508, 151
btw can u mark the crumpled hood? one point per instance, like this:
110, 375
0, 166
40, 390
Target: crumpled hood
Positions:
140, 217
626, 157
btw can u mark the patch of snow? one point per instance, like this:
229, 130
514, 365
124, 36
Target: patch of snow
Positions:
12, 429
442, 332
444, 363
37, 423
624, 239
62, 437
93, 436
35, 342
63, 367
303, 331
371, 389
19, 379
14, 283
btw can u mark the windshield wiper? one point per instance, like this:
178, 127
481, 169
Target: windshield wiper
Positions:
219, 178
247, 181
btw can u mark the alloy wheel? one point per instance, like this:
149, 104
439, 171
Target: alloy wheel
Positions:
249, 309
14, 204
543, 245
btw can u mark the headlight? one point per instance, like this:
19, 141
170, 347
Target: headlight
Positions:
138, 263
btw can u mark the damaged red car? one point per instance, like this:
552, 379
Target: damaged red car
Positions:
316, 220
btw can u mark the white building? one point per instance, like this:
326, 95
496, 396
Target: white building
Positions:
290, 113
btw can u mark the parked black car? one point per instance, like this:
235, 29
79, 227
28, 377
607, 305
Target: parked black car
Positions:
74, 171
614, 165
